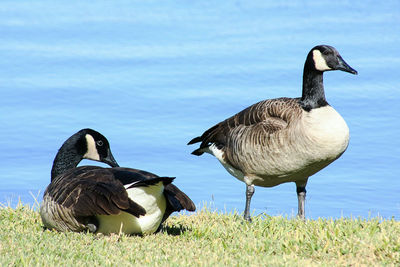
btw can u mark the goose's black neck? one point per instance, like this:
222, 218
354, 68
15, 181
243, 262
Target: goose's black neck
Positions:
313, 88
68, 157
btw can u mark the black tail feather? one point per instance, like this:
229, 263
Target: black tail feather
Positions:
195, 140
177, 199
198, 152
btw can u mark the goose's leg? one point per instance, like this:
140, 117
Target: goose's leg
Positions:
249, 193
301, 197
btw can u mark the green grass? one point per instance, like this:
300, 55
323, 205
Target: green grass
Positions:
205, 239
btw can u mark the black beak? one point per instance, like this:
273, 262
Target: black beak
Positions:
342, 65
110, 159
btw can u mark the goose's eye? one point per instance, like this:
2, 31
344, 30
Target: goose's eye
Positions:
99, 143
325, 52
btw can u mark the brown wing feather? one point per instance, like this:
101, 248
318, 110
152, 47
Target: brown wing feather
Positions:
91, 190
265, 118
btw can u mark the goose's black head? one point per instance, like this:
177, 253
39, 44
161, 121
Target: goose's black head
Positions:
325, 58
94, 146
85, 144
320, 59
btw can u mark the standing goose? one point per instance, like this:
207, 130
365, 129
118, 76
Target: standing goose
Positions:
105, 200
285, 139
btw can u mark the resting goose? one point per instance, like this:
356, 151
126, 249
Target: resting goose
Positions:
105, 200
285, 139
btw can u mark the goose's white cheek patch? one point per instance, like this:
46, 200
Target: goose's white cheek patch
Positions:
320, 62
91, 149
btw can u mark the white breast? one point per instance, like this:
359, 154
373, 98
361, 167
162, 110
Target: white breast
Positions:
327, 131
152, 199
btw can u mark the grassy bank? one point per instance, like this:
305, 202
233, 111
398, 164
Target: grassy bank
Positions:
205, 238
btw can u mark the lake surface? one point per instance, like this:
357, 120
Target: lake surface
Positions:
151, 75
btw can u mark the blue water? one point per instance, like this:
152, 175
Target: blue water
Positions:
151, 75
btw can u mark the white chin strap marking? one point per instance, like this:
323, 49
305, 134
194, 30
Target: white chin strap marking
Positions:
320, 62
91, 149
